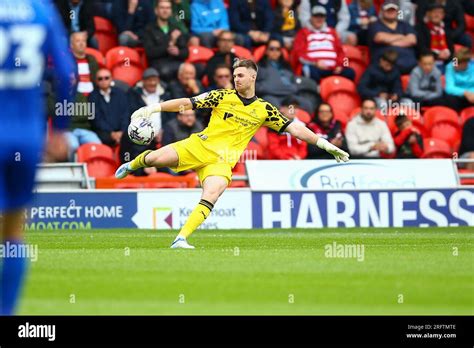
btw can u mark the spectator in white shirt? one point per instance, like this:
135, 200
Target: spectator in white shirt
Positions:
367, 136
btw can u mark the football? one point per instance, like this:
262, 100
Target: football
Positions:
141, 131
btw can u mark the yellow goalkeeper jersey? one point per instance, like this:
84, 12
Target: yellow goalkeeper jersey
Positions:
234, 121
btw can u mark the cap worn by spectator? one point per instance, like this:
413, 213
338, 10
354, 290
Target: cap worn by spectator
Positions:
150, 72
388, 4
318, 11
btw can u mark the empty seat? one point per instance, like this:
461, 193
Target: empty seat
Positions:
343, 102
99, 159
439, 113
332, 84
436, 148
99, 57
242, 52
105, 33
199, 54
447, 132
125, 64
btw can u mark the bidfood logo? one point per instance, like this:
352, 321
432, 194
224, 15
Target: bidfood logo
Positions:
353, 176
163, 218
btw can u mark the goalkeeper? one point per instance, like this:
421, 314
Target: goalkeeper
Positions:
236, 116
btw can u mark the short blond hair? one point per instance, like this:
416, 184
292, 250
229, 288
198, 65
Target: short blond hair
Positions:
245, 63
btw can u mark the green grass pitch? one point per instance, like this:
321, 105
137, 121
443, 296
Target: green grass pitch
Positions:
404, 271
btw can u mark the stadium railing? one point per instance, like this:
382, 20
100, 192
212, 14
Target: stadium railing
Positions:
62, 177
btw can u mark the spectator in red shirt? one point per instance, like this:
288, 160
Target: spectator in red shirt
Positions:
319, 49
326, 126
283, 146
432, 35
408, 139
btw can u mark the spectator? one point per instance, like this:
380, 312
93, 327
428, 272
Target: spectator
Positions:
466, 150
181, 127
454, 21
103, 8
187, 85
337, 12
208, 20
223, 78
362, 15
111, 109
367, 136
283, 146
165, 44
319, 49
468, 6
223, 56
389, 32
433, 36
285, 23
276, 80
251, 20
131, 17
87, 65
78, 15
382, 82
80, 127
460, 79
181, 15
148, 91
408, 139
327, 127
425, 86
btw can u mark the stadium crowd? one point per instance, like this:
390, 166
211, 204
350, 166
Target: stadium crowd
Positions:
378, 78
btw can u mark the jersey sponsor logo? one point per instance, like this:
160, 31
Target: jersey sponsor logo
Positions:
228, 115
202, 136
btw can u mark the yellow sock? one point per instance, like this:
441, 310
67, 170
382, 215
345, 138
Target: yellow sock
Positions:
139, 161
196, 218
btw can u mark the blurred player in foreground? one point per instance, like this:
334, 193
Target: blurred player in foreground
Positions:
30, 32
236, 116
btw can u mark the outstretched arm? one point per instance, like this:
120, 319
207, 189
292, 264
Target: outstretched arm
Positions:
301, 132
173, 105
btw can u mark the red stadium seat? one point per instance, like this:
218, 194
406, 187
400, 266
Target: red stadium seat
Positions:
405, 81
343, 103
99, 158
143, 58
105, 33
435, 148
199, 54
440, 113
466, 114
242, 52
342, 117
357, 60
302, 115
205, 81
261, 138
334, 84
469, 22
447, 132
99, 57
125, 64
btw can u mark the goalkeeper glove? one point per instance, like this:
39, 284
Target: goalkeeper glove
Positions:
146, 111
339, 154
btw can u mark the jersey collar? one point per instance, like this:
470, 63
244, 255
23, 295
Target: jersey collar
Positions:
246, 101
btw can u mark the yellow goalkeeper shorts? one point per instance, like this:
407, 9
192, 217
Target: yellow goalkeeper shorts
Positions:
193, 156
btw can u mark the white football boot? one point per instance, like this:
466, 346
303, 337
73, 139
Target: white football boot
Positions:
123, 171
181, 243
